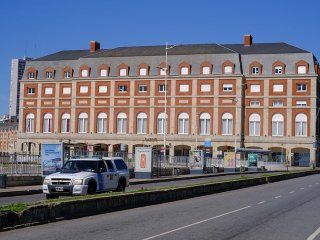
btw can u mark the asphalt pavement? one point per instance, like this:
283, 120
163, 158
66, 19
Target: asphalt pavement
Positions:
284, 210
156, 185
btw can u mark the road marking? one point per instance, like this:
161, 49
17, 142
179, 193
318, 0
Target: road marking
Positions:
317, 183
261, 202
278, 196
301, 188
291, 192
196, 223
310, 185
314, 235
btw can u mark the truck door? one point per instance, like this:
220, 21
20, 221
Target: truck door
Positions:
103, 178
113, 175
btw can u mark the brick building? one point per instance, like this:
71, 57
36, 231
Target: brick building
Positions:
254, 95
8, 137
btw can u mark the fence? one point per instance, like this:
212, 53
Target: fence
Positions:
20, 164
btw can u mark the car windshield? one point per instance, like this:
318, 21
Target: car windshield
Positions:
80, 166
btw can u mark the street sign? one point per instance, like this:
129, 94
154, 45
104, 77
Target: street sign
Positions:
207, 143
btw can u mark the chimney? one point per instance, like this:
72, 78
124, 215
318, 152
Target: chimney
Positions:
247, 40
94, 46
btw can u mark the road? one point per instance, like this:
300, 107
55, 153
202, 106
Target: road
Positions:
41, 197
284, 210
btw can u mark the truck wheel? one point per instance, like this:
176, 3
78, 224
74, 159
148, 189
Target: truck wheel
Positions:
121, 185
51, 196
92, 187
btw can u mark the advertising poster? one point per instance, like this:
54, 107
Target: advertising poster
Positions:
51, 158
143, 159
252, 160
196, 159
228, 160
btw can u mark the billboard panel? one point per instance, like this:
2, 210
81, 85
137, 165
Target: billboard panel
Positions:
51, 158
228, 160
143, 159
196, 159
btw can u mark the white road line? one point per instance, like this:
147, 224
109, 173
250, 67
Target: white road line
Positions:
196, 223
317, 183
310, 185
314, 235
301, 188
261, 202
291, 192
278, 196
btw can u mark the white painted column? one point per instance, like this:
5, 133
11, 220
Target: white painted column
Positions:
131, 109
151, 117
111, 114
215, 119
172, 108
73, 107
289, 107
92, 104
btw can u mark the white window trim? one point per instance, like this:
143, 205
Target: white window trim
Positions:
84, 73
184, 87
84, 89
226, 87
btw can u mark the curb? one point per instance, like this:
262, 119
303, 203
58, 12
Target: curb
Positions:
52, 212
170, 179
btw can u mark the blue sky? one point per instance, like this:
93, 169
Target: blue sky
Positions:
36, 28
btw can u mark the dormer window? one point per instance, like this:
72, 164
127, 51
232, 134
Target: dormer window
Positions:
84, 73
143, 72
184, 71
49, 75
255, 70
103, 72
123, 72
227, 69
302, 69
67, 74
205, 70
31, 75
162, 71
278, 70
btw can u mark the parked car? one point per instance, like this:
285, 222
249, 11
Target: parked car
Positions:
87, 176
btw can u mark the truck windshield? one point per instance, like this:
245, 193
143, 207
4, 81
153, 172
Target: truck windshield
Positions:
80, 166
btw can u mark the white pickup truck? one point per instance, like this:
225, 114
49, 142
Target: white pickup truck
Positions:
87, 176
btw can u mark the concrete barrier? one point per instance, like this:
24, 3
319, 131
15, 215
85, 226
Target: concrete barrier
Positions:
48, 212
14, 181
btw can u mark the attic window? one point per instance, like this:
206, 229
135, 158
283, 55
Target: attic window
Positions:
31, 75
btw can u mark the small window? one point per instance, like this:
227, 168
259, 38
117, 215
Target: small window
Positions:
302, 69
102, 166
227, 69
103, 72
184, 71
103, 89
84, 89
162, 71
31, 90
255, 70
110, 166
66, 90
142, 88
123, 72
84, 73
122, 88
301, 103
120, 164
48, 90
255, 88
205, 88
254, 103
49, 75
206, 70
31, 75
301, 87
67, 74
277, 103
278, 70
143, 72
162, 88
227, 87
277, 88
184, 88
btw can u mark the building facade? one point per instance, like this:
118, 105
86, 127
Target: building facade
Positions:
253, 95
17, 70
8, 137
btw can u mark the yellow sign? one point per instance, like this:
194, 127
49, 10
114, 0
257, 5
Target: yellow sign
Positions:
228, 160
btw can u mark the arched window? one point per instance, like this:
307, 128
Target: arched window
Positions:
227, 123
47, 123
102, 123
65, 123
142, 123
205, 120
183, 123
162, 123
301, 125
83, 123
277, 125
122, 123
30, 123
254, 124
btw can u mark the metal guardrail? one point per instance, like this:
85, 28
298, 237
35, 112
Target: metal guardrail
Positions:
20, 164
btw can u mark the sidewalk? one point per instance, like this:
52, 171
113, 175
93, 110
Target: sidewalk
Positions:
36, 189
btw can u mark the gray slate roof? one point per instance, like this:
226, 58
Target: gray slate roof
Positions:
184, 49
